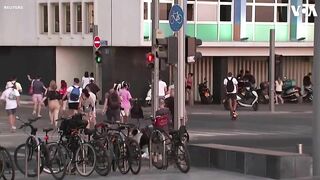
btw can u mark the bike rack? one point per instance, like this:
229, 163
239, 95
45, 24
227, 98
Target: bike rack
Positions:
164, 158
38, 161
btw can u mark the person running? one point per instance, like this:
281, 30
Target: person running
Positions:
38, 89
279, 85
85, 79
62, 92
11, 96
53, 97
112, 106
231, 86
73, 94
126, 98
87, 105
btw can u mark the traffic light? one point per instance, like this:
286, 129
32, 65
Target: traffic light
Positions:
150, 60
98, 57
168, 49
191, 49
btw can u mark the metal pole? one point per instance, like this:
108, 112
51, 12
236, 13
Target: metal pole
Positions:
271, 69
98, 67
181, 70
155, 84
316, 102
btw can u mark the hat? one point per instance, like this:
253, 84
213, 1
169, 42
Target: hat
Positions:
9, 85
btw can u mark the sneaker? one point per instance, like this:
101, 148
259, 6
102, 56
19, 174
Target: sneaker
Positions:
145, 156
34, 113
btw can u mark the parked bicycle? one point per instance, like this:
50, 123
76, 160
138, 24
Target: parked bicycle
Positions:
7, 170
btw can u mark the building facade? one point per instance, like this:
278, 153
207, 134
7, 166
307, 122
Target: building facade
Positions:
53, 38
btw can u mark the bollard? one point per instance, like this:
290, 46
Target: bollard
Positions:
300, 148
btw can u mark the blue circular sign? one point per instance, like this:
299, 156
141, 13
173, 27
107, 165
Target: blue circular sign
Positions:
176, 17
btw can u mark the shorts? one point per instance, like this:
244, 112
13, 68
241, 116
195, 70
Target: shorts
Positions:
37, 98
74, 106
278, 92
232, 96
11, 111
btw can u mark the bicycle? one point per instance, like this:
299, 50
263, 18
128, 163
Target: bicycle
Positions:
35, 154
166, 147
7, 170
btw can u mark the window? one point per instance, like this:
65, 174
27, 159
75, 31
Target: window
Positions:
44, 10
90, 17
249, 14
249, 1
282, 14
225, 13
145, 11
283, 1
56, 17
209, 0
264, 14
190, 13
79, 18
67, 17
207, 12
164, 10
265, 1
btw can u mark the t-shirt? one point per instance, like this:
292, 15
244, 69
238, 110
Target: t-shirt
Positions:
9, 95
235, 82
162, 86
53, 95
279, 86
85, 81
89, 104
69, 90
125, 99
37, 87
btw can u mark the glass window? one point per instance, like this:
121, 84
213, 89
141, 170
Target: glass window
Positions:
190, 14
164, 10
79, 17
209, 0
249, 14
67, 16
145, 11
311, 1
225, 0
249, 1
56, 17
45, 18
282, 14
264, 14
207, 12
90, 17
264, 1
311, 18
225, 13
283, 1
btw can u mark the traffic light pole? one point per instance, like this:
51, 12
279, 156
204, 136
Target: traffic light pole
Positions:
97, 67
155, 74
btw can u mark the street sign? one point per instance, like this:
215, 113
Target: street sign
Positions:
176, 18
96, 42
104, 43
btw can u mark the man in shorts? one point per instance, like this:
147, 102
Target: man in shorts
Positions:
73, 93
231, 86
11, 96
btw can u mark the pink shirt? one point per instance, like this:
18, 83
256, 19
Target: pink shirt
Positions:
125, 96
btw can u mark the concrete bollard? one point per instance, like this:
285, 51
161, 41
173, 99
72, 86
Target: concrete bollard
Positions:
300, 148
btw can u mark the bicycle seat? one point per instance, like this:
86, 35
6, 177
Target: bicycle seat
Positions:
89, 132
46, 130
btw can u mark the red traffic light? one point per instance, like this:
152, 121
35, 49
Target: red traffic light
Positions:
150, 58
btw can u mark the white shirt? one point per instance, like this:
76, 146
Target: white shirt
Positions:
85, 81
279, 86
235, 83
69, 90
162, 86
10, 95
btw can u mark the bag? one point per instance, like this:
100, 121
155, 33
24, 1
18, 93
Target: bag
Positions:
31, 88
230, 86
12, 95
75, 94
161, 121
113, 100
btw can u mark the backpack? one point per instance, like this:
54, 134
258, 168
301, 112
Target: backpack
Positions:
75, 94
230, 86
113, 100
12, 95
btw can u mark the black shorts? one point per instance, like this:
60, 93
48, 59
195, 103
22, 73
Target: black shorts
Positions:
232, 96
278, 92
11, 111
74, 106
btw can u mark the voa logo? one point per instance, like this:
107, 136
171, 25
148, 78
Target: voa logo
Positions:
307, 10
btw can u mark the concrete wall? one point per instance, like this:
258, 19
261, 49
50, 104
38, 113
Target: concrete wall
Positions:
73, 62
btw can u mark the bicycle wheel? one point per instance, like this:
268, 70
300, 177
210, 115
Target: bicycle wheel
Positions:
85, 159
58, 160
157, 149
134, 156
122, 156
182, 158
28, 155
7, 170
103, 163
